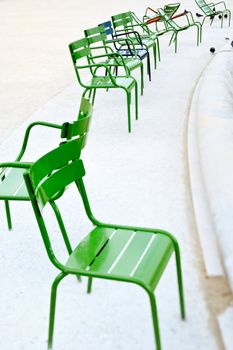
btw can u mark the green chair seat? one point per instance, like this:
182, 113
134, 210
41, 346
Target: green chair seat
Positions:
130, 63
105, 82
152, 37
123, 253
13, 186
146, 41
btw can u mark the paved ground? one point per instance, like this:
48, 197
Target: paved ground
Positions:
136, 179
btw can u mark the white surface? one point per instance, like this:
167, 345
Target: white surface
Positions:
135, 179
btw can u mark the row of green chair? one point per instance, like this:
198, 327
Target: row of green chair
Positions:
121, 44
128, 254
108, 47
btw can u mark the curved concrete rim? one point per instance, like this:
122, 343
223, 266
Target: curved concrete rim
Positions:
205, 225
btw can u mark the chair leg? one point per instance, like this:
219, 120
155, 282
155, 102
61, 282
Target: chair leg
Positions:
158, 48
61, 226
180, 280
198, 38
93, 97
171, 39
148, 66
142, 78
155, 55
89, 285
155, 320
136, 100
176, 42
8, 215
85, 91
53, 298
128, 110
200, 34
211, 22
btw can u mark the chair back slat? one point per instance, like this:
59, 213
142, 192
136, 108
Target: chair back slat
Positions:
58, 181
95, 35
82, 124
170, 9
107, 28
79, 49
204, 7
78, 127
122, 20
167, 19
57, 158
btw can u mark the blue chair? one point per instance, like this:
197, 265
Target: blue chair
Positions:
126, 48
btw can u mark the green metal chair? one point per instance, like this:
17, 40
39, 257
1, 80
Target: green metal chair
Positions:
176, 29
169, 10
100, 74
97, 39
114, 252
161, 26
210, 10
129, 50
127, 22
12, 186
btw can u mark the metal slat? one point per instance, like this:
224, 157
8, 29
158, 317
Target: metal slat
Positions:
11, 184
111, 251
155, 260
132, 255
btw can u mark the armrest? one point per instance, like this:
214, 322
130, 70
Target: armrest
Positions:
7, 165
27, 134
136, 34
114, 55
97, 66
102, 47
187, 15
124, 42
221, 2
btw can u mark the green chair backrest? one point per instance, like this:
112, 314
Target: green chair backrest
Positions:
79, 49
123, 21
168, 20
205, 7
170, 9
81, 126
47, 179
95, 35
